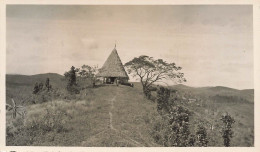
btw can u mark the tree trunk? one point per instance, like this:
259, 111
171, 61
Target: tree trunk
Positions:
146, 92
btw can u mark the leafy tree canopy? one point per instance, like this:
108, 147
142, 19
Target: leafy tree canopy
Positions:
87, 71
151, 70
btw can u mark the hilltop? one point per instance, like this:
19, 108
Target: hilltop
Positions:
107, 116
120, 116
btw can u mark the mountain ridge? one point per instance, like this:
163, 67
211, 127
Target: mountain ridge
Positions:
14, 80
247, 94
177, 85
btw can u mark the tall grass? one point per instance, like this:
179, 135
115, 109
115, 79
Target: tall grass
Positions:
38, 123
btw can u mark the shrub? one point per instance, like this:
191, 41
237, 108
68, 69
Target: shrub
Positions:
179, 133
173, 130
163, 95
41, 97
36, 88
14, 126
201, 133
39, 87
52, 120
15, 132
73, 89
226, 130
37, 128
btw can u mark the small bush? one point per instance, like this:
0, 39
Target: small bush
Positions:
163, 95
73, 89
179, 133
226, 130
36, 88
51, 121
14, 126
201, 133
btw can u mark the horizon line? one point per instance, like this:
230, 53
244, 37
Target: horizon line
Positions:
139, 81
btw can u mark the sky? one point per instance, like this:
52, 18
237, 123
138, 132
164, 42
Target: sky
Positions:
212, 43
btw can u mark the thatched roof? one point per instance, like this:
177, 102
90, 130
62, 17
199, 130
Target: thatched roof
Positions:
113, 67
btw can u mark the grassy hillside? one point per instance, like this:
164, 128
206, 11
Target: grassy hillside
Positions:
119, 116
89, 122
212, 102
20, 87
203, 92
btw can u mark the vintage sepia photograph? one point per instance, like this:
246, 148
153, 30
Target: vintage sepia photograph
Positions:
129, 75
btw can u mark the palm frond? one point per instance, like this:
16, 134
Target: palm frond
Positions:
13, 103
8, 107
19, 106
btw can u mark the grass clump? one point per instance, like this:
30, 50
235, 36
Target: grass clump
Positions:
40, 126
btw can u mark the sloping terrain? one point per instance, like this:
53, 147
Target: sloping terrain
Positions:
247, 94
20, 87
120, 116
109, 116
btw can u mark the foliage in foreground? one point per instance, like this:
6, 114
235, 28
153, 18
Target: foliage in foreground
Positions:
202, 139
173, 129
38, 127
226, 130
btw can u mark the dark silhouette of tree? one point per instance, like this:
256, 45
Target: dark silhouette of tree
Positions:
150, 71
47, 84
36, 88
226, 131
71, 77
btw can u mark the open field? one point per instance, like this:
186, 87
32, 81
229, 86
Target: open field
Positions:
119, 116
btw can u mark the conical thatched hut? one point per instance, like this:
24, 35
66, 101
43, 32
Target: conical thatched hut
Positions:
113, 69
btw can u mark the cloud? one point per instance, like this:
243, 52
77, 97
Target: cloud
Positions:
90, 43
207, 41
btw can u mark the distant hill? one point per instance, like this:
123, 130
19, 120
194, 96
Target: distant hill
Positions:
32, 79
14, 83
21, 86
247, 94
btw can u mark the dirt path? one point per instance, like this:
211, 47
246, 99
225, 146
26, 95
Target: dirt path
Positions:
115, 119
111, 129
119, 132
111, 114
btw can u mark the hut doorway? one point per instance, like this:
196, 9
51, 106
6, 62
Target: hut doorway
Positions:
113, 79
110, 80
